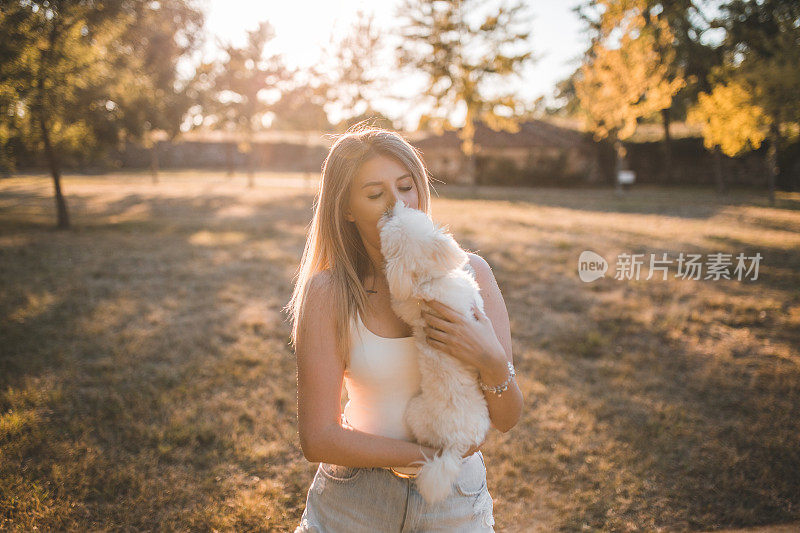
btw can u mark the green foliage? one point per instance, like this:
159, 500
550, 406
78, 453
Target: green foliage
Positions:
763, 53
694, 56
301, 109
52, 69
350, 79
375, 118
629, 71
461, 58
148, 91
754, 91
689, 52
80, 74
237, 103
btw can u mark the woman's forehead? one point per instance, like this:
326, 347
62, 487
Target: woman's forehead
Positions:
380, 168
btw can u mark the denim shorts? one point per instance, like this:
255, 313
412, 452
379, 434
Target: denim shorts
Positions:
344, 499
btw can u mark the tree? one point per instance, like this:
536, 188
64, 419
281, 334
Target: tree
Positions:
14, 76
300, 108
55, 76
149, 93
693, 59
349, 75
432, 123
462, 58
625, 75
731, 122
370, 115
239, 83
762, 51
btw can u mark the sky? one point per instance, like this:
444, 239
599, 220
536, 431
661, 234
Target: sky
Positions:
304, 27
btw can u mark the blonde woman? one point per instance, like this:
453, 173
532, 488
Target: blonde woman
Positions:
344, 330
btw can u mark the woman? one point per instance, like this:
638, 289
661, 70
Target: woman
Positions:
344, 329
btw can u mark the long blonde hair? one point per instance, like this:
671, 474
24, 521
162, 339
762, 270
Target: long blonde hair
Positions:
335, 245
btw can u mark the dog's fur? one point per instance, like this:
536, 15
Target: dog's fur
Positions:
423, 261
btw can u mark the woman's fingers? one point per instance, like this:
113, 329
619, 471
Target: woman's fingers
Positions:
472, 449
434, 321
445, 311
435, 333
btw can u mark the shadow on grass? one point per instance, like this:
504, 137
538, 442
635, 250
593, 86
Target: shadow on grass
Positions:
133, 391
778, 269
146, 381
719, 443
692, 203
680, 438
658, 430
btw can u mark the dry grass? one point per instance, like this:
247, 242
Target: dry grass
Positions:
146, 382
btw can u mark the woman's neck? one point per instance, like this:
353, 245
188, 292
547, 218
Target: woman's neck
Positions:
376, 281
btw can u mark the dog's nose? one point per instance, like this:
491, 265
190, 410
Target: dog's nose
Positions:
398, 201
389, 212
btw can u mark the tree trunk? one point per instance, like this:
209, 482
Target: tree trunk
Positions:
50, 153
250, 170
666, 119
6, 163
55, 170
619, 152
229, 159
772, 161
154, 161
718, 173
307, 163
472, 170
250, 161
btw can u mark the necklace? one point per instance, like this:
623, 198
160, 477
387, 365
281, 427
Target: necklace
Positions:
373, 290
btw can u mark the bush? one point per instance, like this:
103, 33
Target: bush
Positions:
504, 171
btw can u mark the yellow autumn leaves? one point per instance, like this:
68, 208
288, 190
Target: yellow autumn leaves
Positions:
729, 119
629, 72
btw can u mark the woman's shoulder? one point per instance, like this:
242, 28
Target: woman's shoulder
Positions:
320, 288
477, 263
321, 281
483, 274
319, 309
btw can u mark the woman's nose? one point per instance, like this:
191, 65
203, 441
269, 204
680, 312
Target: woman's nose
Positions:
395, 198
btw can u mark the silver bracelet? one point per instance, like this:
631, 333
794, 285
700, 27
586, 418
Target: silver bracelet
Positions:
500, 389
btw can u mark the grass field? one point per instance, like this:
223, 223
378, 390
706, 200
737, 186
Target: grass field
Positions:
146, 382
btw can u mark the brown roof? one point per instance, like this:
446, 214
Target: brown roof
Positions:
532, 133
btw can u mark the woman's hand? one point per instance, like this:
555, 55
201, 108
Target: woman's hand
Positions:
470, 339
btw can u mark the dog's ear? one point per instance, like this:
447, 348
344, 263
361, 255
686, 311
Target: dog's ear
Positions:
400, 279
446, 254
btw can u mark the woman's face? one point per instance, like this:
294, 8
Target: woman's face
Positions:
379, 183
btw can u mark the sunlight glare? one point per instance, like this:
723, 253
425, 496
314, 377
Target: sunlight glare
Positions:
302, 29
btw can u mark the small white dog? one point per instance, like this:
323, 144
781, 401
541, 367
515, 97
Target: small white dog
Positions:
423, 261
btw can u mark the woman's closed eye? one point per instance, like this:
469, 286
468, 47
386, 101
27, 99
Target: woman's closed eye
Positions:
376, 196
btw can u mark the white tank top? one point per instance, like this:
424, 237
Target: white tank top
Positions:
381, 377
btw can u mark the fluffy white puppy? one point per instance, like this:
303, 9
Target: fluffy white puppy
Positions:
423, 261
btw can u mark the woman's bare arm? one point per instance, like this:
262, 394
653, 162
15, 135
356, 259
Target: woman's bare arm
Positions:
320, 374
505, 410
